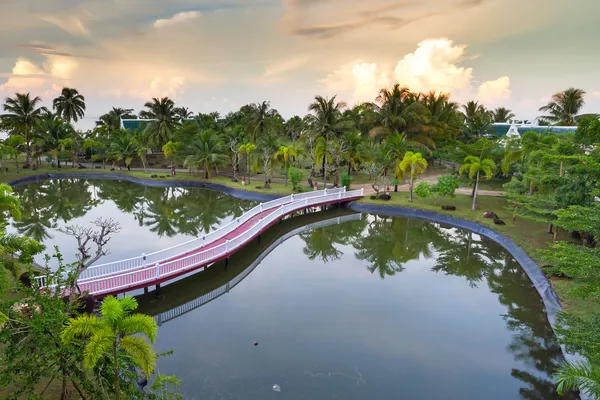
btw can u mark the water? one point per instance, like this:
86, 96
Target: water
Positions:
370, 308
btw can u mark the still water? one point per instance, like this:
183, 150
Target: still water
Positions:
358, 307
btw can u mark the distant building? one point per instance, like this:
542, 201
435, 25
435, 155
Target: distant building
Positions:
134, 124
515, 128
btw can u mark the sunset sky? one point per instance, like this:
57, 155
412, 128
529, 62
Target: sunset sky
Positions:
217, 55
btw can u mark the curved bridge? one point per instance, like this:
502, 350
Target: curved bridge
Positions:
164, 265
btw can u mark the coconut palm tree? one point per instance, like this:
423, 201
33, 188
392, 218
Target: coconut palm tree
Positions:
395, 147
294, 127
353, 142
502, 114
112, 119
21, 118
52, 131
183, 113
163, 122
474, 167
123, 148
260, 116
267, 146
207, 150
583, 376
70, 105
285, 154
414, 163
248, 150
564, 107
116, 331
326, 121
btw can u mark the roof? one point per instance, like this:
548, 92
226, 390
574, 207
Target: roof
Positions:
502, 129
134, 124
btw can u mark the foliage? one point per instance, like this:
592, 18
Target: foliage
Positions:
446, 186
564, 107
423, 189
295, 176
70, 105
346, 181
473, 167
413, 163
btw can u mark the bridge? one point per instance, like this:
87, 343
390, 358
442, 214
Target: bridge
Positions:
155, 268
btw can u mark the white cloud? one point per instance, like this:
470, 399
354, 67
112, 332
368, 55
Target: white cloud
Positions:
70, 24
176, 19
45, 80
363, 80
432, 66
596, 94
170, 87
492, 92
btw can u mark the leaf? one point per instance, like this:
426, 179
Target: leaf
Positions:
141, 351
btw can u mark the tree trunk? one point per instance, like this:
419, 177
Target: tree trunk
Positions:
395, 188
115, 355
475, 193
128, 167
555, 237
58, 161
410, 189
248, 167
561, 172
286, 172
349, 168
531, 188
514, 216
549, 230
143, 164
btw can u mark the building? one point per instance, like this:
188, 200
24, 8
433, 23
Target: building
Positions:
516, 128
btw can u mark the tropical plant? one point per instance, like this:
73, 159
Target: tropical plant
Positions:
346, 181
163, 121
583, 376
502, 114
183, 113
248, 150
285, 154
414, 164
261, 115
423, 189
474, 167
207, 150
112, 120
21, 118
70, 105
353, 142
564, 107
123, 148
295, 175
267, 146
116, 330
171, 150
446, 186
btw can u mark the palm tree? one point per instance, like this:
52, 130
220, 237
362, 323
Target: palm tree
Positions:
477, 122
116, 330
564, 107
70, 105
395, 147
474, 166
22, 117
183, 113
123, 148
583, 376
112, 120
416, 164
352, 143
326, 120
260, 116
207, 150
267, 145
52, 131
285, 153
163, 122
294, 127
248, 149
502, 114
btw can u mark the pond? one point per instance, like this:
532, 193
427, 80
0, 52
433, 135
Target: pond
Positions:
343, 306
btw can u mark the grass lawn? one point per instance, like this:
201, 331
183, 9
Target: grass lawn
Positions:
492, 184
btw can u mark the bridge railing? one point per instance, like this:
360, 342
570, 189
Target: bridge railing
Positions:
203, 240
162, 271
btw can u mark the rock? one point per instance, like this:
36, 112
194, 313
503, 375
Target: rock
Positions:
449, 208
112, 169
373, 197
490, 214
498, 221
153, 176
385, 197
256, 343
258, 187
26, 166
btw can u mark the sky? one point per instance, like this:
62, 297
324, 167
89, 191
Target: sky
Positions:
218, 55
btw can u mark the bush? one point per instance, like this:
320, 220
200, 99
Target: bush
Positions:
295, 176
346, 180
423, 189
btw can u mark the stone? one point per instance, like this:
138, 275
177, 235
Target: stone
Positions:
153, 176
98, 167
498, 221
373, 197
256, 343
385, 197
449, 208
490, 214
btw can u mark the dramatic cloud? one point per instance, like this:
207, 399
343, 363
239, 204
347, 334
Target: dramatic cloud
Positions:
493, 92
364, 80
44, 80
176, 19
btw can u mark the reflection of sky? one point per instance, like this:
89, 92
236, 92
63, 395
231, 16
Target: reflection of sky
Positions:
337, 331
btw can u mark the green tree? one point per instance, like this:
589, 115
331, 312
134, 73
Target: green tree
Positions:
116, 330
123, 148
285, 154
295, 176
502, 114
413, 163
22, 116
70, 105
353, 142
207, 150
111, 121
446, 186
474, 167
163, 121
52, 131
564, 107
249, 151
171, 150
259, 118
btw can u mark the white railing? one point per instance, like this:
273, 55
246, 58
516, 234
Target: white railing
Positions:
226, 287
123, 274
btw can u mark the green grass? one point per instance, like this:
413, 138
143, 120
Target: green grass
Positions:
492, 184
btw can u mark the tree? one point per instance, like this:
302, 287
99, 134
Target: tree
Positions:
163, 121
171, 150
588, 132
207, 150
446, 186
474, 166
248, 149
123, 148
415, 164
183, 113
70, 105
285, 154
502, 114
396, 147
116, 330
22, 116
353, 143
583, 376
326, 121
564, 107
267, 145
477, 122
260, 117
111, 121
52, 131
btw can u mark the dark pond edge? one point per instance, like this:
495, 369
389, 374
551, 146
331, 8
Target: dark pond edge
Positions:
239, 193
536, 276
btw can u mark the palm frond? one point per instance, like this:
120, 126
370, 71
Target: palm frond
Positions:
112, 311
98, 345
141, 351
139, 323
579, 375
81, 327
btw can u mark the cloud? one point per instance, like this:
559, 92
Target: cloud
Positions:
364, 79
279, 68
71, 24
169, 87
596, 94
492, 92
176, 19
45, 80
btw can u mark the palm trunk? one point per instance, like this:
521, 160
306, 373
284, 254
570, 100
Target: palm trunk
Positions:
248, 167
561, 172
475, 193
206, 167
115, 355
555, 237
549, 230
514, 216
531, 188
286, 172
410, 189
143, 164
349, 168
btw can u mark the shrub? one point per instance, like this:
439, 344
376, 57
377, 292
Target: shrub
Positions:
346, 180
423, 189
295, 176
